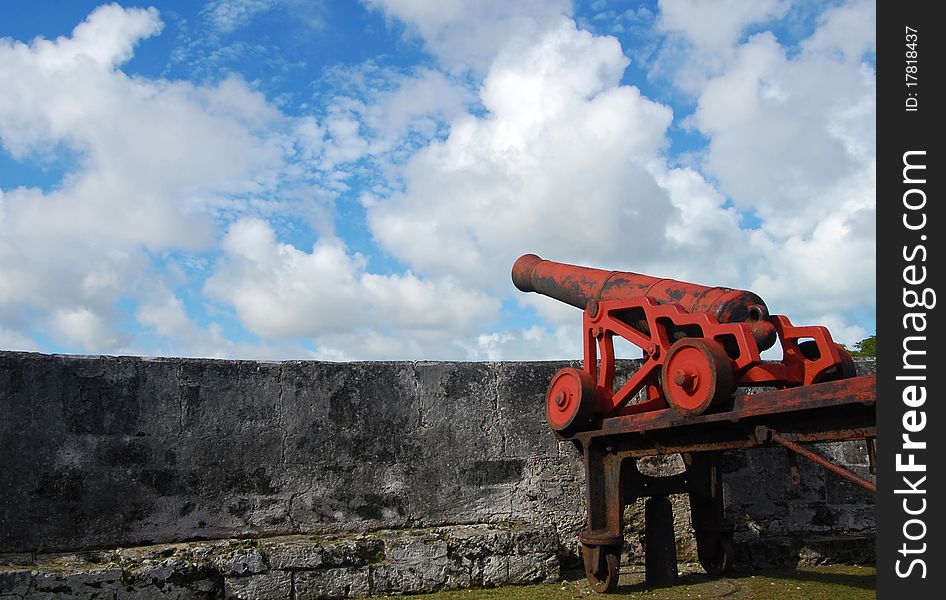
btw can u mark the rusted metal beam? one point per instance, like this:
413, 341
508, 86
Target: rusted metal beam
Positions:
766, 434
854, 391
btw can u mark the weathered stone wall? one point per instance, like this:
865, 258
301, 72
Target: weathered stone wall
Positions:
105, 452
109, 452
389, 562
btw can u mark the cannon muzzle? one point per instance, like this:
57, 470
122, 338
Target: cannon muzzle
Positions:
578, 285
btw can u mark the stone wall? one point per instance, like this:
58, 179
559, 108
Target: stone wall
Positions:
104, 452
385, 562
112, 452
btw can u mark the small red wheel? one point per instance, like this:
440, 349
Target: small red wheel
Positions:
570, 401
847, 368
696, 374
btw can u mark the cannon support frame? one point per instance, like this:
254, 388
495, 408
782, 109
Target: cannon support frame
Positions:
699, 344
826, 412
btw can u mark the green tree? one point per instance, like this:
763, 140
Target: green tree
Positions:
866, 347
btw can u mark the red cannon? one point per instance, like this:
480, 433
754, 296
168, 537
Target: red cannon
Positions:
699, 345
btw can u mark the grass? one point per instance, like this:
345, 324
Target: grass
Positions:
836, 582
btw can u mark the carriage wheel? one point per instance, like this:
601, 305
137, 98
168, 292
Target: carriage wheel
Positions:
716, 552
696, 374
570, 401
602, 565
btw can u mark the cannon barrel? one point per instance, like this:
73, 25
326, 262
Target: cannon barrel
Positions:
576, 286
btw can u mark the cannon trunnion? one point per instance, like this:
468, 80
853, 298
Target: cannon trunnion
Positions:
699, 345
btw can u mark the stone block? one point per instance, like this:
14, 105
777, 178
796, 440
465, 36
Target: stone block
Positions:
273, 585
532, 568
331, 584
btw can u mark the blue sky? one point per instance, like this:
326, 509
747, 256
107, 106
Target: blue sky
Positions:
353, 180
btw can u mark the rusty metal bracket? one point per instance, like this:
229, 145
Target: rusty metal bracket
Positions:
871, 444
765, 434
793, 470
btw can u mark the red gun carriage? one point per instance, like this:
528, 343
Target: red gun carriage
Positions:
699, 345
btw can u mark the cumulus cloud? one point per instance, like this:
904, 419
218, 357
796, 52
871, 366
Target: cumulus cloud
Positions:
165, 314
520, 138
534, 343
468, 35
419, 103
847, 31
14, 340
784, 131
567, 163
561, 142
714, 25
701, 36
282, 292
174, 332
86, 328
792, 139
153, 160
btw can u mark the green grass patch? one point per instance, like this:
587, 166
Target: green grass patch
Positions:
835, 582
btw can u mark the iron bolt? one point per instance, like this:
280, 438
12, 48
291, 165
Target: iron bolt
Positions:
795, 475
560, 399
684, 379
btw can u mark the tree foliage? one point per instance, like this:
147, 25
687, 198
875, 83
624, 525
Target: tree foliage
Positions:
866, 347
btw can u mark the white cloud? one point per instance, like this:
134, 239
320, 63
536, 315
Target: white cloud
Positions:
383, 114
14, 340
154, 162
467, 35
785, 131
281, 292
829, 270
88, 329
561, 164
151, 151
104, 40
534, 343
557, 158
568, 164
847, 30
345, 142
165, 314
792, 139
716, 25
420, 103
702, 35
842, 331
229, 15
178, 334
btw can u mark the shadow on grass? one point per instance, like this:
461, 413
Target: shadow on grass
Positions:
864, 581
686, 579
